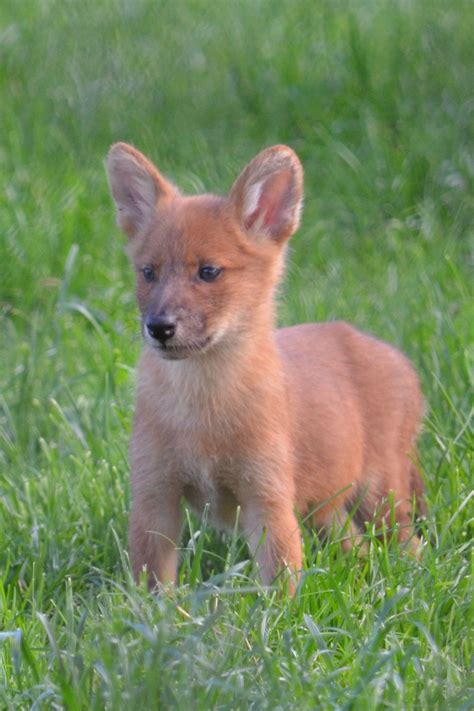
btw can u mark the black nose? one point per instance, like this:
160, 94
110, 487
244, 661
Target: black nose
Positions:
161, 328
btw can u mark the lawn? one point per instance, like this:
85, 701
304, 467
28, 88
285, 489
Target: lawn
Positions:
377, 99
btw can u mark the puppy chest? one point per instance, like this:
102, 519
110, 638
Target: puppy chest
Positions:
212, 484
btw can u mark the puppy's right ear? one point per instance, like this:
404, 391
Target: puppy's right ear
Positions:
136, 186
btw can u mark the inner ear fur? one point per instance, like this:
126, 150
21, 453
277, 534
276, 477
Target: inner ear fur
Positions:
137, 187
267, 197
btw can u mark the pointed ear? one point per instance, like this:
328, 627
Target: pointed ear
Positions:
268, 195
136, 186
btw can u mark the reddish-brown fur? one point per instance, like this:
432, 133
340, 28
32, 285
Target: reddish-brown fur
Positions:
318, 419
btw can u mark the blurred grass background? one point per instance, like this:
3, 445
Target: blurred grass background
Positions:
377, 99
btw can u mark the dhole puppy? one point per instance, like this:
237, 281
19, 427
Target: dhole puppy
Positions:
317, 420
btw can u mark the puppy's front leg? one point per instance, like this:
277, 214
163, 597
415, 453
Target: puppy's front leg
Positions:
273, 536
155, 525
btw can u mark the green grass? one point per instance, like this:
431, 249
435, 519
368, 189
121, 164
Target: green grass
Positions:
376, 97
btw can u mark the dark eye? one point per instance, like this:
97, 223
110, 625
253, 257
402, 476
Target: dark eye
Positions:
149, 274
209, 273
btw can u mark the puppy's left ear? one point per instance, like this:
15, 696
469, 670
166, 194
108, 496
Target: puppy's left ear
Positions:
267, 197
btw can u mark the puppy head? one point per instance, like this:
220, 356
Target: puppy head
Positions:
206, 265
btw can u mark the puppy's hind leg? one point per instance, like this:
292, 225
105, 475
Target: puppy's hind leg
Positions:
343, 525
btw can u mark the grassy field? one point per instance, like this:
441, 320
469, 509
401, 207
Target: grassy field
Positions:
376, 97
